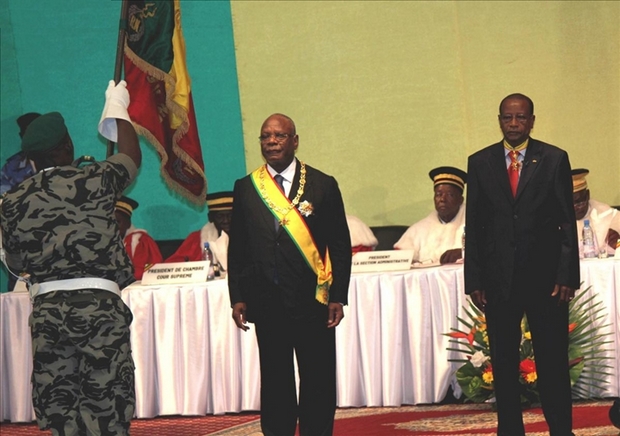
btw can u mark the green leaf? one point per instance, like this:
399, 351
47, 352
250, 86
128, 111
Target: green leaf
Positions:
587, 351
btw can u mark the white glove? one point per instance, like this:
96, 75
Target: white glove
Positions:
116, 104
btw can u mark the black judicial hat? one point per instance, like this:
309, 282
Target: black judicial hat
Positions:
450, 175
126, 205
579, 179
218, 201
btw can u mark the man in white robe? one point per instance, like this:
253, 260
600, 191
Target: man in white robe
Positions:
438, 237
604, 219
362, 237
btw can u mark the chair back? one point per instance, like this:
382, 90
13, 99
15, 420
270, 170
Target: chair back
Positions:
167, 247
388, 235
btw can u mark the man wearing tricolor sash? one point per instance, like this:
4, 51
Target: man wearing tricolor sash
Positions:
289, 266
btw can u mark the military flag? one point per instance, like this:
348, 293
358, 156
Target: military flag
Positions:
161, 105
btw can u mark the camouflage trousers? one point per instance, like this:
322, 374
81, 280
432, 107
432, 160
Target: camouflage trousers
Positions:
83, 375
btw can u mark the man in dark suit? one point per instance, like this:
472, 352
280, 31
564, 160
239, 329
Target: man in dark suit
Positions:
521, 257
289, 264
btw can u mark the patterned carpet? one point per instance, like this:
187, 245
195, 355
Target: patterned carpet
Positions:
590, 419
161, 426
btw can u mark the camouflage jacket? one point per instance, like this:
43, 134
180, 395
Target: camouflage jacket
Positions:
59, 224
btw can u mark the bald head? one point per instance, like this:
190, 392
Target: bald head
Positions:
284, 119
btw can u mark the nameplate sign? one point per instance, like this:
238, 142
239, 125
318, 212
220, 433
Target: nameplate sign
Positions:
176, 272
377, 261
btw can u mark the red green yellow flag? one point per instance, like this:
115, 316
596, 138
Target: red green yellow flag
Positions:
161, 105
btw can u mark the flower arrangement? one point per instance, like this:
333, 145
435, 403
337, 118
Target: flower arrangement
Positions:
587, 356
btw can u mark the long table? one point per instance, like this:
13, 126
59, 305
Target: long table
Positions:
192, 360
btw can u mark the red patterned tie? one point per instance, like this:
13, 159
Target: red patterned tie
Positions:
513, 171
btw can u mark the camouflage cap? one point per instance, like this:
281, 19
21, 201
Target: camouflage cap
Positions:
44, 133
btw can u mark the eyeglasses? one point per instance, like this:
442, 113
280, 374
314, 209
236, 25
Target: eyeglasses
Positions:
280, 137
521, 118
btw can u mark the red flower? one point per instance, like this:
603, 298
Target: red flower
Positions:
527, 365
487, 374
528, 370
571, 327
461, 335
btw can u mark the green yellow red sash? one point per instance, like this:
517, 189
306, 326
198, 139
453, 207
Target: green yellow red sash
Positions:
286, 212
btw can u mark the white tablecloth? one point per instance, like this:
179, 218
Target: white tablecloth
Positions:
190, 357
192, 360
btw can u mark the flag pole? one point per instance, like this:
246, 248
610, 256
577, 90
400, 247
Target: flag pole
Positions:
120, 48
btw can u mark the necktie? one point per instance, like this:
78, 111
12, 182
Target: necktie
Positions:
279, 180
513, 171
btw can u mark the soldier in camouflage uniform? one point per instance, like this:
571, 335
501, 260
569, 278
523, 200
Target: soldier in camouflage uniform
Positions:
59, 227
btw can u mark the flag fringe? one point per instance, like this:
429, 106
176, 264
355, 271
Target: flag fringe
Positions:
183, 128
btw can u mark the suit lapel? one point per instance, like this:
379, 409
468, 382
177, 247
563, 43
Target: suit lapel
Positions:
265, 213
497, 163
530, 165
294, 187
261, 208
295, 183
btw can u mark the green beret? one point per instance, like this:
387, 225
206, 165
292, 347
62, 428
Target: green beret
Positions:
44, 133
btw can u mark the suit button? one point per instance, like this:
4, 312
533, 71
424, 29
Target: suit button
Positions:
515, 217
